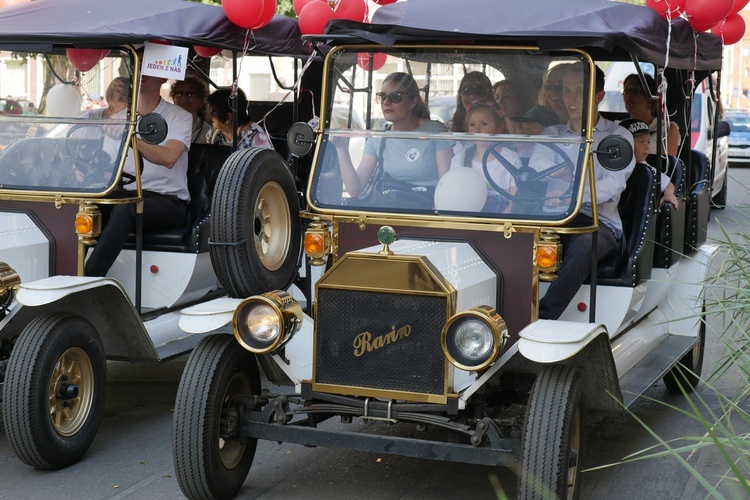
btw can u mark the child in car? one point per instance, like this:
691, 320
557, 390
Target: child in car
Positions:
486, 117
641, 146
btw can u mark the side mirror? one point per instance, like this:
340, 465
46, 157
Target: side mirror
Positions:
152, 128
614, 152
723, 128
300, 139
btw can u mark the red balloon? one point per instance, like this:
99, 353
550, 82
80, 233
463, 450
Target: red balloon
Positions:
703, 12
269, 9
243, 13
352, 10
85, 59
313, 18
662, 7
731, 30
738, 6
378, 60
298, 5
206, 51
384, 2
702, 27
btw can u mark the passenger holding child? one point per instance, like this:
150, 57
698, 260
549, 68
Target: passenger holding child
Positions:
640, 106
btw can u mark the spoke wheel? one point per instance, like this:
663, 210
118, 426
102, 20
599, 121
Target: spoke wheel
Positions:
210, 459
71, 391
553, 436
54, 390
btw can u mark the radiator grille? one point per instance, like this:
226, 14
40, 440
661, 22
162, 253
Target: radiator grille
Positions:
413, 363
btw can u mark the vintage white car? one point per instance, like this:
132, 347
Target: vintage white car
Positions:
426, 311
57, 326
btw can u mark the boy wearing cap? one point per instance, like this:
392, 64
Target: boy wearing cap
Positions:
641, 148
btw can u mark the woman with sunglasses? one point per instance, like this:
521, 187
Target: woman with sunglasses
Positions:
417, 161
474, 86
551, 93
641, 107
190, 94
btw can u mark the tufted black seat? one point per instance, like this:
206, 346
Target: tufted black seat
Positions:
697, 204
670, 223
204, 163
632, 263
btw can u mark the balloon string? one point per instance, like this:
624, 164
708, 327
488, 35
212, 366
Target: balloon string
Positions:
296, 88
246, 47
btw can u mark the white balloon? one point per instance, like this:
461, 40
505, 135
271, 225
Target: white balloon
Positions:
64, 100
461, 189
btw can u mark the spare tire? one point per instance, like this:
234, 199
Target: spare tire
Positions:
256, 232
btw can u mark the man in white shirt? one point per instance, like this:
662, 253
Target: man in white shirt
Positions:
576, 265
163, 179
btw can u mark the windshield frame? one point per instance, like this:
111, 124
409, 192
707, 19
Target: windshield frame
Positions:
324, 133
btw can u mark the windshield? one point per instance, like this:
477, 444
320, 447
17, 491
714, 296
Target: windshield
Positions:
67, 135
452, 132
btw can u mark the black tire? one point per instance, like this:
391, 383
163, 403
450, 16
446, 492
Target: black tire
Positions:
207, 465
720, 200
51, 423
686, 375
256, 232
553, 436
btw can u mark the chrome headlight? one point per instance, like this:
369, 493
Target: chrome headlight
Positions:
473, 339
263, 323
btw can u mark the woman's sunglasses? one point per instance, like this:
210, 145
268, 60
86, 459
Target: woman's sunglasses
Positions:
395, 96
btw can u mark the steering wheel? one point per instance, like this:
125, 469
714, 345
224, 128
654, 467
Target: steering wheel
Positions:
526, 178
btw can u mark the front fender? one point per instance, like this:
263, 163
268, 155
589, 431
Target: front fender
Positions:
583, 345
208, 316
547, 341
100, 300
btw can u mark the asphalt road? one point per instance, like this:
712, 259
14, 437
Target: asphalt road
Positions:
132, 457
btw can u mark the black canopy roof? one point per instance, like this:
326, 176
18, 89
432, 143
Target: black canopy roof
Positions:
607, 28
104, 23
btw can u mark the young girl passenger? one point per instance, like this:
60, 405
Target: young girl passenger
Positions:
486, 117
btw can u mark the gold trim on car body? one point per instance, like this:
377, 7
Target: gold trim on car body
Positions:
400, 274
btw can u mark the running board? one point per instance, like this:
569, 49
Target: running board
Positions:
654, 366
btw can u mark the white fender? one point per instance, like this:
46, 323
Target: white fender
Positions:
54, 288
548, 341
208, 316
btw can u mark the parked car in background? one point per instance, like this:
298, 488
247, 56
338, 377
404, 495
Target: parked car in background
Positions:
739, 137
702, 130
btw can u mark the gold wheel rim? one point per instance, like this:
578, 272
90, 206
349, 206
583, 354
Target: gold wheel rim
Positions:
231, 451
273, 226
67, 412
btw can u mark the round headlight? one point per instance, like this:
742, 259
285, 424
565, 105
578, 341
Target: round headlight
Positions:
472, 339
265, 322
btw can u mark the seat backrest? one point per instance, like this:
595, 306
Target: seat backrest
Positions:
632, 264
204, 163
636, 206
670, 223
